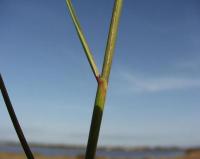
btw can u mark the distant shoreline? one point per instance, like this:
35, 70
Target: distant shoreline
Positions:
111, 148
191, 155
14, 150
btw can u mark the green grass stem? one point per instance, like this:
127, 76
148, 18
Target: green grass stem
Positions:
112, 36
103, 82
103, 78
83, 39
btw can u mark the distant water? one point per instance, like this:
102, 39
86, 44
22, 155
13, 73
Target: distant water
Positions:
50, 151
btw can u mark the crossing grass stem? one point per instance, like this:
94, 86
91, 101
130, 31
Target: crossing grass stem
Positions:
83, 40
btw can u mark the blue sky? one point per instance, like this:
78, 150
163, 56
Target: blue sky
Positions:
153, 96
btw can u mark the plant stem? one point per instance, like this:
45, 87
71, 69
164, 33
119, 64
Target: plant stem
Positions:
102, 83
96, 119
15, 122
112, 36
83, 39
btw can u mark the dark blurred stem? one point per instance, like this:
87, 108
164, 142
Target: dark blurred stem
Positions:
15, 122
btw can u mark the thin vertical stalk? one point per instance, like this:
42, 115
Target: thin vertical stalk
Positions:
112, 36
103, 82
15, 122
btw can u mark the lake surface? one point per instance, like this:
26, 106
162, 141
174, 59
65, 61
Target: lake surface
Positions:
53, 151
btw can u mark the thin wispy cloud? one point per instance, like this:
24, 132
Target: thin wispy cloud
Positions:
192, 65
159, 83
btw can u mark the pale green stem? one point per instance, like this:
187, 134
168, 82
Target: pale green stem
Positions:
103, 82
112, 36
83, 40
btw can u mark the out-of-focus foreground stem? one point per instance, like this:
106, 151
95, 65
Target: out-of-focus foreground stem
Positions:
15, 122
